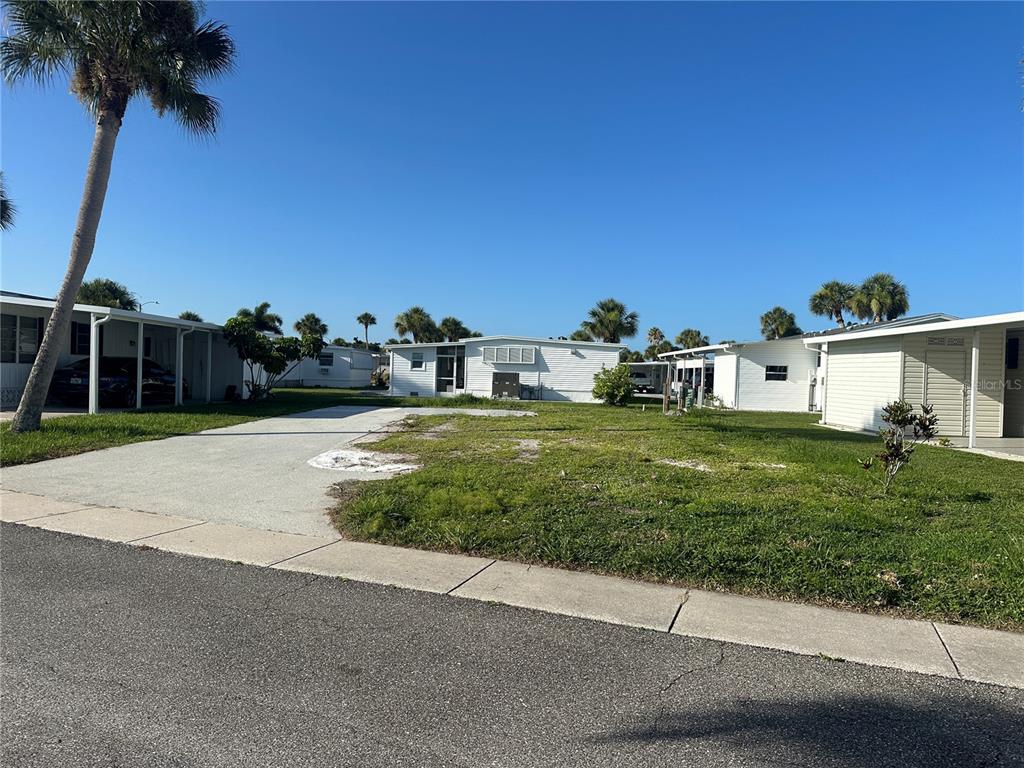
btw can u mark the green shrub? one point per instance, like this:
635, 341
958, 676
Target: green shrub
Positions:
614, 385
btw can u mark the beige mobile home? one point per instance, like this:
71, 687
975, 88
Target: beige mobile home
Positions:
969, 370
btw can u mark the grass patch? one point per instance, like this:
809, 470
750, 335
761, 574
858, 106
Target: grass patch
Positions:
767, 504
68, 435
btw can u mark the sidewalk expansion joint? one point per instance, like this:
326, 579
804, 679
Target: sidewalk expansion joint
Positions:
466, 581
679, 609
946, 649
152, 536
300, 554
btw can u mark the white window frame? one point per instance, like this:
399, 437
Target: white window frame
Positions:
416, 362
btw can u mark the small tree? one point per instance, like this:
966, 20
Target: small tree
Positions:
898, 446
269, 359
614, 385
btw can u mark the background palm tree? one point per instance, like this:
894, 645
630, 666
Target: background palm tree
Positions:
453, 329
689, 338
418, 323
188, 314
609, 321
7, 209
366, 320
880, 297
310, 324
653, 350
777, 323
262, 317
101, 292
831, 299
113, 51
655, 336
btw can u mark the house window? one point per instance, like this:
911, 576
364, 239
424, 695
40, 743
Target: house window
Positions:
326, 359
8, 338
776, 372
30, 335
417, 360
79, 338
513, 355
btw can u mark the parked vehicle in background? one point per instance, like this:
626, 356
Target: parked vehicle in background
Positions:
642, 382
117, 383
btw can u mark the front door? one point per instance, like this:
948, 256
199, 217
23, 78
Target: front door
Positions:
945, 372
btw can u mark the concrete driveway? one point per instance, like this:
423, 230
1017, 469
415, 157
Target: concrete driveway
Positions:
254, 474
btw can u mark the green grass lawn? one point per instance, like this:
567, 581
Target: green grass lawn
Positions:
69, 435
775, 506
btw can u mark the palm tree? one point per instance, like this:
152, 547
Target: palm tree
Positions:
630, 356
453, 329
7, 209
418, 323
262, 317
778, 323
366, 320
689, 338
610, 322
101, 292
310, 324
655, 336
880, 297
188, 314
580, 334
831, 299
113, 51
652, 351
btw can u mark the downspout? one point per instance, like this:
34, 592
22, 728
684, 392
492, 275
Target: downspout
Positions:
94, 361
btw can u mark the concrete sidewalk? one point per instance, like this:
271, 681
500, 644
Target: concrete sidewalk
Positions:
917, 646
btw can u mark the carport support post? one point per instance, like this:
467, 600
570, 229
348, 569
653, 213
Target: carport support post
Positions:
666, 388
140, 344
972, 415
209, 364
94, 361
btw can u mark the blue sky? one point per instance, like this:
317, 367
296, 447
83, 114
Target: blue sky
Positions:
512, 164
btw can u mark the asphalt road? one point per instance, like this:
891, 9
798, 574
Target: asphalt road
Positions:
118, 656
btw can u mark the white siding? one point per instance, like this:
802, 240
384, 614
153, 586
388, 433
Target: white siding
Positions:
404, 379
351, 368
725, 378
863, 376
564, 371
754, 393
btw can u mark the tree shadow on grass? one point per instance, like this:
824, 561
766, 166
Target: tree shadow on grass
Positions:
983, 727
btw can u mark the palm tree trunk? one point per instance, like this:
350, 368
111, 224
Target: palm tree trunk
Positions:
30, 410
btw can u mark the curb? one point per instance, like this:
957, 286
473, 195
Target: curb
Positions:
931, 648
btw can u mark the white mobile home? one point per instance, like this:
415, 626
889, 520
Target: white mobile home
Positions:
204, 367
774, 375
501, 366
335, 367
970, 370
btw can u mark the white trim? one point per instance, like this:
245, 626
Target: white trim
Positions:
944, 325
972, 415
527, 339
139, 344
